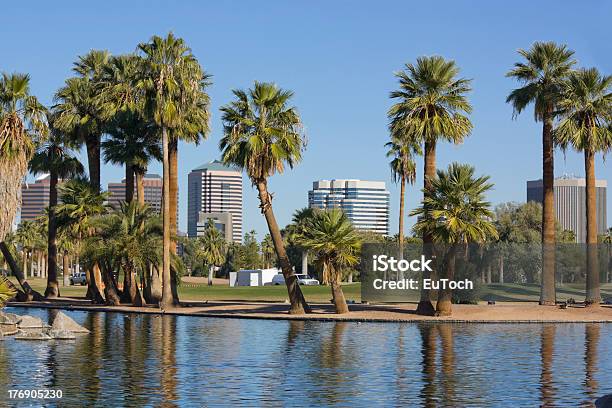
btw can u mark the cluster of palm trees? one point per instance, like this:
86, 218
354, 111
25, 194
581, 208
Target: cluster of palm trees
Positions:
131, 108
575, 108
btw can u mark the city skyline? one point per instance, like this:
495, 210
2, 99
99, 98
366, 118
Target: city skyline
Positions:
346, 124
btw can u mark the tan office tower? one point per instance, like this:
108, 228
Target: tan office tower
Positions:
570, 204
35, 198
153, 184
215, 192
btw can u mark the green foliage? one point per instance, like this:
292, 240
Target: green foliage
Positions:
454, 209
432, 102
585, 110
542, 75
332, 239
6, 291
211, 246
262, 133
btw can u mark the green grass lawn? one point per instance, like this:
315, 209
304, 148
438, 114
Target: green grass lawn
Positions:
497, 292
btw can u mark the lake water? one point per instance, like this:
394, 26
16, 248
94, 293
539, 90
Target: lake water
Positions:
136, 361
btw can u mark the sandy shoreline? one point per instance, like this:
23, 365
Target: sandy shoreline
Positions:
523, 312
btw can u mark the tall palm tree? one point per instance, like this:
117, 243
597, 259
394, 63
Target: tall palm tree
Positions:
211, 249
454, 212
585, 111
54, 157
24, 236
132, 143
267, 251
262, 135
22, 125
542, 75
79, 109
432, 106
80, 202
403, 170
332, 238
173, 83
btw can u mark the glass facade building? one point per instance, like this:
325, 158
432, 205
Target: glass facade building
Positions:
366, 203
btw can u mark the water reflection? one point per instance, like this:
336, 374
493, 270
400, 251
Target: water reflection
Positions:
134, 361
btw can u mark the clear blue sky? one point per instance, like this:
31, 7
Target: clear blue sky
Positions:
339, 58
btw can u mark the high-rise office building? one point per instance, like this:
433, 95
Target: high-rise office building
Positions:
365, 203
35, 198
570, 204
153, 185
215, 192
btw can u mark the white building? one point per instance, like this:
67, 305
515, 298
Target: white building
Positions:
213, 190
252, 277
366, 203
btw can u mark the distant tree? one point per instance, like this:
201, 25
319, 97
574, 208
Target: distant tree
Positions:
211, 249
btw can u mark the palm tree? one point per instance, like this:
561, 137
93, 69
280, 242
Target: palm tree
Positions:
22, 126
332, 238
79, 109
585, 110
262, 135
403, 170
54, 157
267, 251
542, 75
130, 238
211, 249
454, 212
432, 106
132, 143
24, 237
173, 83
293, 230
80, 203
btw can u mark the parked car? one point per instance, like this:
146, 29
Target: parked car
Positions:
78, 279
303, 279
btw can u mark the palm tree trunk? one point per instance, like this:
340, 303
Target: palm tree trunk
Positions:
66, 268
31, 294
173, 160
140, 187
211, 275
129, 183
110, 288
131, 293
444, 304
304, 261
593, 296
52, 290
547, 292
429, 173
93, 161
24, 262
296, 298
400, 233
337, 293
167, 300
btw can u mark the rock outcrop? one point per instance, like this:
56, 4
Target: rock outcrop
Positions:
65, 323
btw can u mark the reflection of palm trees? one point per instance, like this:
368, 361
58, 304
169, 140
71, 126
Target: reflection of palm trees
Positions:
168, 361
428, 352
135, 355
591, 342
547, 346
330, 358
448, 363
295, 328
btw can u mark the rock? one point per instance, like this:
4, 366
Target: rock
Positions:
8, 329
9, 318
62, 335
33, 335
31, 322
65, 323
